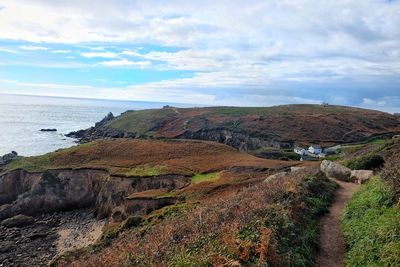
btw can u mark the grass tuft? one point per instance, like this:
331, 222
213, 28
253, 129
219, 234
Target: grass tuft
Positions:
206, 177
371, 226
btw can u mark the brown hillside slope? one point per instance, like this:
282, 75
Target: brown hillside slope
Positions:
133, 157
251, 128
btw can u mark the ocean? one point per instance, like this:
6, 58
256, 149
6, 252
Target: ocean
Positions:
22, 117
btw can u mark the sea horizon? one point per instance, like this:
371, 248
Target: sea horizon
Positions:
21, 130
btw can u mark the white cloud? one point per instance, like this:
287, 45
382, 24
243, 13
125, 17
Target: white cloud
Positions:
372, 102
226, 45
386, 103
7, 50
125, 62
32, 48
61, 51
99, 54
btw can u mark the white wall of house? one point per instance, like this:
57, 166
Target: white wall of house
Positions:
314, 150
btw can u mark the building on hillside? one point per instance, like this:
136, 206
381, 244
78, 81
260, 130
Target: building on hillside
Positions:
315, 149
332, 150
301, 151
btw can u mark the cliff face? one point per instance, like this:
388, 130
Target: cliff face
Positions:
27, 193
249, 129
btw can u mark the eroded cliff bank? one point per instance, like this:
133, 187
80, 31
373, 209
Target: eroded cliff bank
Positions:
22, 192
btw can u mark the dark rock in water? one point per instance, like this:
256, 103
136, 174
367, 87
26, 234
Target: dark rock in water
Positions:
7, 158
48, 130
17, 221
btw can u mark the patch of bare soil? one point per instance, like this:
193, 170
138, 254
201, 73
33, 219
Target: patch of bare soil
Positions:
332, 248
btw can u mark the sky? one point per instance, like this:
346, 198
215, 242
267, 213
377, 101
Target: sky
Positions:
242, 53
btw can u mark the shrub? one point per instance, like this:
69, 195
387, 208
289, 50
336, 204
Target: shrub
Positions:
391, 174
371, 226
368, 162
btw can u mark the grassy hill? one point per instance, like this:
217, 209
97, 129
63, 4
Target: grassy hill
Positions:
133, 157
251, 128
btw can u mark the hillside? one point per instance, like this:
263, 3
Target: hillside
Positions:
158, 185
132, 157
249, 128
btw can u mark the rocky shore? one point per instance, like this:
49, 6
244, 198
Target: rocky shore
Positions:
48, 235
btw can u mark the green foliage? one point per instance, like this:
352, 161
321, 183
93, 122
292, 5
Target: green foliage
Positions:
43, 162
377, 141
391, 175
142, 121
371, 226
206, 177
367, 162
145, 170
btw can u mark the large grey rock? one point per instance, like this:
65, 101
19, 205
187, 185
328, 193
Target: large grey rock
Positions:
7, 158
335, 170
361, 176
296, 169
17, 221
276, 176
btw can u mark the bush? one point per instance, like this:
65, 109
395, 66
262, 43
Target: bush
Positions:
391, 174
371, 226
368, 162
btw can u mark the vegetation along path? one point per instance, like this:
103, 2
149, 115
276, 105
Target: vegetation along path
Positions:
331, 241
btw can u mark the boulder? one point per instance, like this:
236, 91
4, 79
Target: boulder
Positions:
17, 221
7, 158
335, 170
276, 176
48, 130
296, 169
361, 176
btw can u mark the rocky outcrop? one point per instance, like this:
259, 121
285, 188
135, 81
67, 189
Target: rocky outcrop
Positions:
31, 194
100, 130
361, 176
335, 170
237, 139
7, 158
49, 130
114, 196
291, 170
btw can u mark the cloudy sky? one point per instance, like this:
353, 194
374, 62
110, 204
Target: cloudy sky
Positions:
250, 53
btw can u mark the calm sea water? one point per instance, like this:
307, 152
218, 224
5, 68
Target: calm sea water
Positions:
22, 117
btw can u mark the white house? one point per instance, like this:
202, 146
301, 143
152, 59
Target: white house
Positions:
299, 150
315, 149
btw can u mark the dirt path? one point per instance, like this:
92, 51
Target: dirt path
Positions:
331, 253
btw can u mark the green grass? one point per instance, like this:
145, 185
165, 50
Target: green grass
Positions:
141, 121
371, 226
206, 177
145, 170
30, 164
283, 110
42, 162
377, 141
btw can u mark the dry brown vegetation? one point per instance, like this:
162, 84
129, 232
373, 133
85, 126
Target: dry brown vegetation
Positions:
148, 157
267, 223
326, 125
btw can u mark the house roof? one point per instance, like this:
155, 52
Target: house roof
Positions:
316, 146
